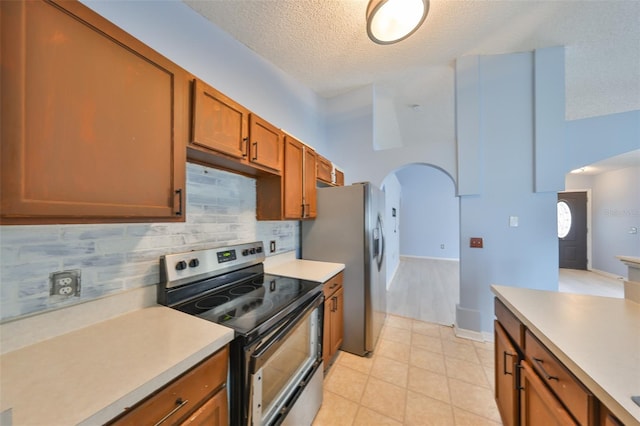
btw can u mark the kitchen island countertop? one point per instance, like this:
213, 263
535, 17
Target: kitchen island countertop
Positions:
88, 376
596, 338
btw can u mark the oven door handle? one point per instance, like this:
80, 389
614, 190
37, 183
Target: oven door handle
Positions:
264, 352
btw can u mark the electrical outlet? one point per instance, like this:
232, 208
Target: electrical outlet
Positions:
475, 242
65, 283
272, 246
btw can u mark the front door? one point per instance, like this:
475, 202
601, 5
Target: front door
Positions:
572, 230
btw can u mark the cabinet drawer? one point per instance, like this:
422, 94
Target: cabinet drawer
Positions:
183, 395
333, 284
511, 324
578, 400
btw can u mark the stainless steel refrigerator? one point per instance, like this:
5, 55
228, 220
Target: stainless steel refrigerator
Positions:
349, 229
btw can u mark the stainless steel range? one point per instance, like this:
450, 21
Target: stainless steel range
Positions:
276, 355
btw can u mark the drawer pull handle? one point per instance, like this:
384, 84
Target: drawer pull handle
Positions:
546, 375
180, 404
518, 387
505, 354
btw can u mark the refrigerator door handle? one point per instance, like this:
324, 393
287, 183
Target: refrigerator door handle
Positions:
379, 243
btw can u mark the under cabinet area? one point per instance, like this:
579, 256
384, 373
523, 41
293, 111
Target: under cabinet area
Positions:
532, 387
93, 122
333, 327
198, 397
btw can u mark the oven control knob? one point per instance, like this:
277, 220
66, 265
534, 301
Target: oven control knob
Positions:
252, 250
194, 263
258, 249
182, 265
245, 252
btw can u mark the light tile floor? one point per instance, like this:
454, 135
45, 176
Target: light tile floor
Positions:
420, 374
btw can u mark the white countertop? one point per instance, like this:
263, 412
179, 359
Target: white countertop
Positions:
310, 270
597, 338
89, 375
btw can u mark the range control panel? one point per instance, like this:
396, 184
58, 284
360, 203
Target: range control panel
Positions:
181, 268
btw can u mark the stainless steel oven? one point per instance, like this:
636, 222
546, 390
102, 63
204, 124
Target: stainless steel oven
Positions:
276, 355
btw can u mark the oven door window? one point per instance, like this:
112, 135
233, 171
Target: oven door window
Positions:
278, 377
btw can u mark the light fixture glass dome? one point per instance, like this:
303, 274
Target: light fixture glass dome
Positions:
389, 21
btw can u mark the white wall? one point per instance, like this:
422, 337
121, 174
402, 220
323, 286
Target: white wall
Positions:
615, 210
393, 195
350, 140
430, 213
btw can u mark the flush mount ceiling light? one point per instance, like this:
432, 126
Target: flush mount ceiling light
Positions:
390, 21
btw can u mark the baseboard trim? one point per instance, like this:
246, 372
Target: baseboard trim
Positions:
450, 259
608, 274
477, 336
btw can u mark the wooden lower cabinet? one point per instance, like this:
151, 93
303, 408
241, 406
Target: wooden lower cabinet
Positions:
532, 387
539, 405
506, 366
333, 327
198, 397
214, 412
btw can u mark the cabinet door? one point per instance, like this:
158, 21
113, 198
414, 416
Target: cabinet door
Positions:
539, 407
326, 333
265, 144
93, 121
214, 412
324, 169
310, 199
339, 178
292, 177
219, 123
175, 401
337, 320
506, 361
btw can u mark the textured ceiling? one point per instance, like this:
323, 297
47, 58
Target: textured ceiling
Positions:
323, 44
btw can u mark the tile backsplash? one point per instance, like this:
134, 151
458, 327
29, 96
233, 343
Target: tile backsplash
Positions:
117, 257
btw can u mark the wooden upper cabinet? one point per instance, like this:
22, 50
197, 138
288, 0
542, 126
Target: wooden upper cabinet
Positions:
299, 180
293, 194
265, 144
218, 123
93, 121
310, 198
339, 178
324, 170
292, 177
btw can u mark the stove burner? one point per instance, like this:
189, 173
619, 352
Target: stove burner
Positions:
212, 301
243, 289
249, 304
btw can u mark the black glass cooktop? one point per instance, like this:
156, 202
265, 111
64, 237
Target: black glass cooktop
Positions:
249, 304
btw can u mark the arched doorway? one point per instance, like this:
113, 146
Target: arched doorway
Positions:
425, 282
